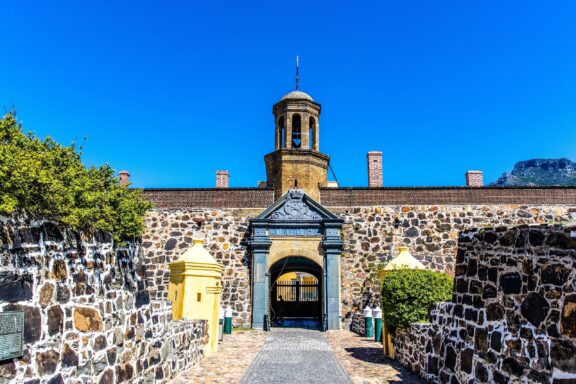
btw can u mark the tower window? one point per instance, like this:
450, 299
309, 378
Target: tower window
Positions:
296, 131
312, 133
282, 132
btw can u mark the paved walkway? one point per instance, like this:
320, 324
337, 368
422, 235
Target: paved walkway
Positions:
296, 356
228, 365
365, 362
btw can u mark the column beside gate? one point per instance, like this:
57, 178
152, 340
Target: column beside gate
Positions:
332, 245
260, 246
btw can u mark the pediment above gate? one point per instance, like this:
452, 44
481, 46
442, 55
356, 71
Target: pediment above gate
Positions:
296, 206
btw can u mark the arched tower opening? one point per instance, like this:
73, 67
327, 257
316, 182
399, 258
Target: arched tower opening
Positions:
280, 133
296, 131
312, 133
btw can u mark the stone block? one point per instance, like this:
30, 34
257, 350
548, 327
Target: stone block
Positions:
7, 370
59, 269
535, 308
511, 283
87, 319
555, 274
563, 354
15, 287
55, 320
107, 377
47, 362
69, 357
568, 321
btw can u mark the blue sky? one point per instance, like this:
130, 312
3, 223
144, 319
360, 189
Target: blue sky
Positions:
174, 90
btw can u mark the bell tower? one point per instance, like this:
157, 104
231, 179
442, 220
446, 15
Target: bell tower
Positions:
297, 161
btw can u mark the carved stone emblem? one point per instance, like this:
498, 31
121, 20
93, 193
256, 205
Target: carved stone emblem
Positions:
295, 209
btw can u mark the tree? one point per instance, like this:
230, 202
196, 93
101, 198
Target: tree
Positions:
44, 179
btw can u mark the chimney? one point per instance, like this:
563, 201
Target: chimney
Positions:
374, 159
474, 179
222, 178
124, 177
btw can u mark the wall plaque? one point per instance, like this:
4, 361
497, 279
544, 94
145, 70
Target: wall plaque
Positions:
295, 232
11, 334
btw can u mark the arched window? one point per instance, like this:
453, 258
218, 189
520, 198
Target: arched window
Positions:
312, 132
296, 131
281, 133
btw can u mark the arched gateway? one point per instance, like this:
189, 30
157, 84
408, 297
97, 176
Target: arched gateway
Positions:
296, 246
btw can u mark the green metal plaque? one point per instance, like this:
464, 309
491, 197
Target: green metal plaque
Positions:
11, 334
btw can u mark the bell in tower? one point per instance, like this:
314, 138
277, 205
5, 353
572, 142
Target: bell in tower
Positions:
297, 161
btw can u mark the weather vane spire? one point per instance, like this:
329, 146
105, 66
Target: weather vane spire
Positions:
297, 74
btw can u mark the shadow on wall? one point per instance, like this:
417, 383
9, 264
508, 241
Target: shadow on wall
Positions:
513, 312
370, 297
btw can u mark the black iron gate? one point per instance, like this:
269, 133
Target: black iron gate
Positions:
297, 298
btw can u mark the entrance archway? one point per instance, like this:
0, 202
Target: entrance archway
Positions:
296, 292
299, 234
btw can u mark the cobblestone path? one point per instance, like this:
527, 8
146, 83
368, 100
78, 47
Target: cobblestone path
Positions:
228, 365
295, 356
365, 362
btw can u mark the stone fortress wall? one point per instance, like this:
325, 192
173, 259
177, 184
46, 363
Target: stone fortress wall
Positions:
88, 315
371, 235
169, 233
512, 317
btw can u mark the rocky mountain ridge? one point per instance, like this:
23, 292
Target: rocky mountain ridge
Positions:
540, 172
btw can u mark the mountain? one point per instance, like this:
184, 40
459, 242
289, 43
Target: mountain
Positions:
538, 172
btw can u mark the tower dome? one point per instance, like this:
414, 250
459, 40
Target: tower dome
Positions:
297, 95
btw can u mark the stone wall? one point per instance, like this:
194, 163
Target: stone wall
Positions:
513, 313
88, 315
411, 344
357, 323
371, 237
169, 233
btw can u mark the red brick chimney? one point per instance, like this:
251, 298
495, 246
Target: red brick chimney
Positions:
222, 178
124, 177
374, 159
474, 179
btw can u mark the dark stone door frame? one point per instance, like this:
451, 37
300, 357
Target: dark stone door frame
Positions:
296, 214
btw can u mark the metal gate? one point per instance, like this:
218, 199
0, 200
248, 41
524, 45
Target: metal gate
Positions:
297, 298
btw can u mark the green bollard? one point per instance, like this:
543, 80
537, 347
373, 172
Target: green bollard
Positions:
368, 328
377, 324
228, 320
220, 324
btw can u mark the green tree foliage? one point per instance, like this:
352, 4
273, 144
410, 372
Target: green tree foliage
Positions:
408, 294
45, 179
